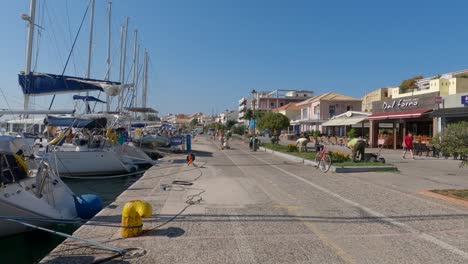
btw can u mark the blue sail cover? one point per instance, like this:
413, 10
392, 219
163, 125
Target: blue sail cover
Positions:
44, 83
75, 122
87, 98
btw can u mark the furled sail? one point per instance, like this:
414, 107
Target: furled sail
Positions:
45, 83
87, 98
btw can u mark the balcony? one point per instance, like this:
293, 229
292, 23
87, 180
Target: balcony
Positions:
242, 108
242, 101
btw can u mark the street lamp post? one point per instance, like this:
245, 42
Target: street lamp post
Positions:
254, 93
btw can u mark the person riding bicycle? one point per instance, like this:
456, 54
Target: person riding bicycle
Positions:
357, 146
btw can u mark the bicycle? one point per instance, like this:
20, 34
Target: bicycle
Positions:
323, 159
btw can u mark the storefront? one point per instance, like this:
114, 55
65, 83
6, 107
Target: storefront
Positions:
392, 119
452, 109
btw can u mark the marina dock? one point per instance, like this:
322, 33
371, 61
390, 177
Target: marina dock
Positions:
256, 207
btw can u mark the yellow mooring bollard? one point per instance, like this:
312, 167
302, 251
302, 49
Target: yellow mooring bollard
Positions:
132, 213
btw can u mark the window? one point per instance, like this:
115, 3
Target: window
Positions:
317, 109
272, 105
305, 95
349, 108
281, 104
331, 110
304, 113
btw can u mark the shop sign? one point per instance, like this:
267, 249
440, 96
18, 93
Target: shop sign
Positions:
464, 99
438, 99
176, 140
402, 103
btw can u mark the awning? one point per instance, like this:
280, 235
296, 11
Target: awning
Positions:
344, 121
451, 112
400, 115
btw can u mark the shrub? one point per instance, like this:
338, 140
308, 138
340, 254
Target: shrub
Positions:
338, 156
454, 140
352, 133
292, 148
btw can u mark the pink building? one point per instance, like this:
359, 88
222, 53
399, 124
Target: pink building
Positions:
321, 108
269, 101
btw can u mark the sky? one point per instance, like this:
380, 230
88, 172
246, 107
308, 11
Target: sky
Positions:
207, 54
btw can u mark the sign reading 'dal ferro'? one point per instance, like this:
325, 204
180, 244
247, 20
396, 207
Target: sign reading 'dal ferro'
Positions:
402, 103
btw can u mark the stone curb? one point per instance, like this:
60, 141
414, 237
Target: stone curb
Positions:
342, 169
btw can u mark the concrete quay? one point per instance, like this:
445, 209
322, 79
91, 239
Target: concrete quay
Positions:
261, 208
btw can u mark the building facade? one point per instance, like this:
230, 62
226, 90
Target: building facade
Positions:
268, 101
321, 108
374, 96
394, 118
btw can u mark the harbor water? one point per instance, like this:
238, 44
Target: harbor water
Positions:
32, 246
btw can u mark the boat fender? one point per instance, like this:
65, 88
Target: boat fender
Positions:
132, 213
133, 169
190, 158
87, 205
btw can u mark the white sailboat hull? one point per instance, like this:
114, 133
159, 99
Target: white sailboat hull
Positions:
17, 200
86, 163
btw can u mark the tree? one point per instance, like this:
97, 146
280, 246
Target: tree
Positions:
238, 129
194, 122
151, 117
352, 133
230, 123
248, 114
409, 84
453, 140
274, 122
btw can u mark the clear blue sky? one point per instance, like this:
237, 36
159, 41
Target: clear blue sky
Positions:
206, 54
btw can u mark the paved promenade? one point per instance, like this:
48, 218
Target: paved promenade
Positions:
259, 208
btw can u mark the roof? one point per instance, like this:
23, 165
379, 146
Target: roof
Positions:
347, 118
330, 96
400, 115
344, 121
290, 106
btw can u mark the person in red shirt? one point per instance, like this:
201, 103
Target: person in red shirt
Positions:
408, 145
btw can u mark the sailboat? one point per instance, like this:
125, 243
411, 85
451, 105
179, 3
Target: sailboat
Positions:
30, 191
74, 158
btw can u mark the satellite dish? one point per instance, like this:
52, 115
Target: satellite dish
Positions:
349, 114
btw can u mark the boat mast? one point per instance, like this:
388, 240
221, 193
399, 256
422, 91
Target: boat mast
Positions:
108, 61
30, 20
145, 79
124, 60
90, 49
135, 68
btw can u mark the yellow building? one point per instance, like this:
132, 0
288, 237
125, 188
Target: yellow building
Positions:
374, 96
446, 84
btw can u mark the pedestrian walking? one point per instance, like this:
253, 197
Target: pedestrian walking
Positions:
408, 145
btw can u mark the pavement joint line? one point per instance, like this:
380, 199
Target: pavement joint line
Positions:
245, 251
408, 228
321, 236
326, 240
411, 195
